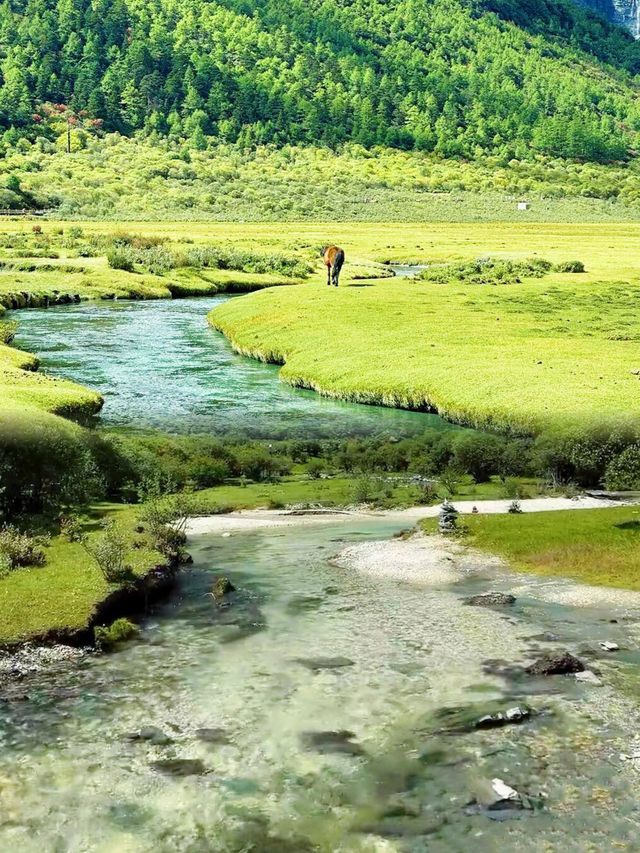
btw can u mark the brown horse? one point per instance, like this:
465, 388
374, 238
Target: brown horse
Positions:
333, 261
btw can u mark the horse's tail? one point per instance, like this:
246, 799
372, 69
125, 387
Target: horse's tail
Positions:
338, 261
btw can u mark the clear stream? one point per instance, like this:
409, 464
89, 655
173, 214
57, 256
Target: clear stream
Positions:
262, 677
159, 365
303, 713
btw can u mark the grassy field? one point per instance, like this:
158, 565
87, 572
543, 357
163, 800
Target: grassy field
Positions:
63, 593
136, 179
600, 546
528, 356
525, 355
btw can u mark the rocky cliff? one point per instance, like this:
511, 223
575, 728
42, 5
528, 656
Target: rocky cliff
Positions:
626, 13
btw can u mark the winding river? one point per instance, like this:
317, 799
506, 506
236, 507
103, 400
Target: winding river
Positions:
159, 365
308, 715
301, 717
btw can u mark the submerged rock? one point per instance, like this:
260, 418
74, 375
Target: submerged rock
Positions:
303, 603
222, 586
212, 735
180, 767
499, 801
151, 734
518, 714
465, 719
556, 663
316, 664
588, 677
332, 742
491, 599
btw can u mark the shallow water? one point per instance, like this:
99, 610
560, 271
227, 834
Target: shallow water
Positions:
158, 364
71, 781
407, 270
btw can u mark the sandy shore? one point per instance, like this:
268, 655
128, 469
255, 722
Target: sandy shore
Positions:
433, 560
248, 520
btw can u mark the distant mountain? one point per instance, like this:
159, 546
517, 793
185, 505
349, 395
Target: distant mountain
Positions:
460, 78
625, 13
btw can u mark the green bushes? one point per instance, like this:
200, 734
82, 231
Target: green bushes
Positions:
19, 549
108, 638
623, 472
496, 271
569, 266
110, 550
45, 464
122, 258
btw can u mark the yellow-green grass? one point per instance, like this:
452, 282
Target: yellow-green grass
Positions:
339, 491
594, 546
544, 352
63, 594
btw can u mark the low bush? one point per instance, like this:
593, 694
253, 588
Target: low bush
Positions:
108, 638
569, 266
110, 550
623, 472
487, 271
19, 549
122, 258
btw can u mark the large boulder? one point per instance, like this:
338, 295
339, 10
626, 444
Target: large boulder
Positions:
556, 663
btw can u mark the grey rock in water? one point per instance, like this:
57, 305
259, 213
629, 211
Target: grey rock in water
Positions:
588, 677
556, 663
515, 715
491, 599
315, 664
212, 735
222, 586
180, 766
151, 734
332, 742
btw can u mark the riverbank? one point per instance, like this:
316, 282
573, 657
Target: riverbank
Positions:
508, 357
349, 701
63, 600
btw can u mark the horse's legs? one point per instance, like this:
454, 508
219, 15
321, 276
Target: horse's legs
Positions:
328, 275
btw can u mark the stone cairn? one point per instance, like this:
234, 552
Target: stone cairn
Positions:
448, 518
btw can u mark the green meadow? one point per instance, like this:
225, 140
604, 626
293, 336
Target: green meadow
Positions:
526, 354
62, 594
600, 546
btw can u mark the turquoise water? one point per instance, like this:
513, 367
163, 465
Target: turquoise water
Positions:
72, 780
159, 365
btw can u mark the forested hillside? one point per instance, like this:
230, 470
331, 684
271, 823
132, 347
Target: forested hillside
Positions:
446, 76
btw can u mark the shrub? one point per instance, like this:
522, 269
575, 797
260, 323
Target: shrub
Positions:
623, 472
315, 469
487, 271
165, 516
450, 479
37, 229
477, 454
19, 549
110, 551
364, 490
71, 528
45, 464
8, 331
121, 259
569, 266
107, 638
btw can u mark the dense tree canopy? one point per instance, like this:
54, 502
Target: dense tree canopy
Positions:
447, 76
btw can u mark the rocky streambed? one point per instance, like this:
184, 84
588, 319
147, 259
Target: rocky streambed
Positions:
348, 694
